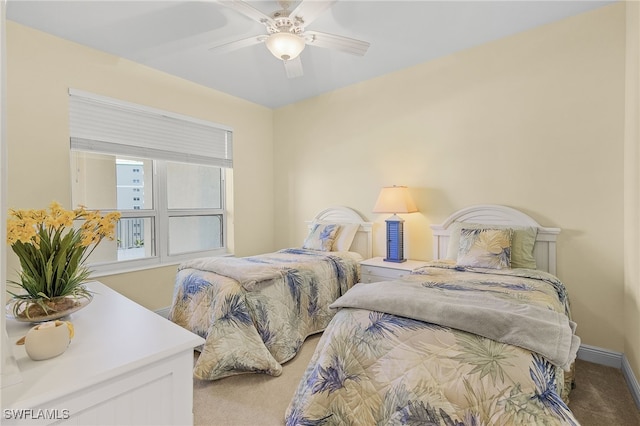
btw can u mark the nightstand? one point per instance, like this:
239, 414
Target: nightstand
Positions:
376, 269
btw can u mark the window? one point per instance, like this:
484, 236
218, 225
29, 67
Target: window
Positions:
166, 174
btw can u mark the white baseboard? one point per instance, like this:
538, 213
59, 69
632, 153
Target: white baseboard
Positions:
164, 312
632, 382
612, 359
600, 356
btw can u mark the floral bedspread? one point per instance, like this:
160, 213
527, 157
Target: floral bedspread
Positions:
254, 325
372, 367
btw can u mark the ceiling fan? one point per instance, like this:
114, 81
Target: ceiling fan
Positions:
286, 34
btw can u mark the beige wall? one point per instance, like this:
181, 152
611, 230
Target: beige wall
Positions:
534, 121
632, 190
40, 70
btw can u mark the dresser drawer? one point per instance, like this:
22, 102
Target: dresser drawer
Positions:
367, 278
381, 274
377, 269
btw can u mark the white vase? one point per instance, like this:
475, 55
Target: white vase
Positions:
48, 339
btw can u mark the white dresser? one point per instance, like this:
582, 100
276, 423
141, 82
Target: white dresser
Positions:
126, 365
376, 269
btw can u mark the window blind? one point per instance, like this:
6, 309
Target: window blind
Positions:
110, 126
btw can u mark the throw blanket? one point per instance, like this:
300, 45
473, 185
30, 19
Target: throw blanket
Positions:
247, 271
541, 330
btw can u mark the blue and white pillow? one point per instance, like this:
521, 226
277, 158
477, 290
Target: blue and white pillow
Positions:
522, 242
321, 237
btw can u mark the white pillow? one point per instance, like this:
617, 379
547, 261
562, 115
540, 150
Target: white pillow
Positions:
346, 234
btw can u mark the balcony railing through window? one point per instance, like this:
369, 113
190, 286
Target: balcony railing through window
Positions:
130, 235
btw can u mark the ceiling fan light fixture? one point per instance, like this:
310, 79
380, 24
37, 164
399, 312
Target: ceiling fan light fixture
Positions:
285, 46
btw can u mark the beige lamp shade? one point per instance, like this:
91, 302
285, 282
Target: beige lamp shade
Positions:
395, 199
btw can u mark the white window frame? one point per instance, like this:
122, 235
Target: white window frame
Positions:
85, 138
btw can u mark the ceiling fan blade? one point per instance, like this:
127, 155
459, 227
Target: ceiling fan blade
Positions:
247, 10
238, 44
341, 43
307, 11
293, 67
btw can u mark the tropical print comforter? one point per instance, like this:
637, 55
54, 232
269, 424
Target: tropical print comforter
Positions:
373, 367
255, 312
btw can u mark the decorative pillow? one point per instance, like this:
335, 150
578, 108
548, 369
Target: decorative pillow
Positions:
321, 237
485, 248
522, 242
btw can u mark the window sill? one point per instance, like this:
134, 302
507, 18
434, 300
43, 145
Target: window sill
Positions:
117, 269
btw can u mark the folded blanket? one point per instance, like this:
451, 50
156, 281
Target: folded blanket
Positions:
248, 273
537, 329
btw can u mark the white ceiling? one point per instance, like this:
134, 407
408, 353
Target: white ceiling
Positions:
175, 37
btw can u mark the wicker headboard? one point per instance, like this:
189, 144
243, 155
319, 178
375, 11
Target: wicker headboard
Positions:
544, 249
363, 241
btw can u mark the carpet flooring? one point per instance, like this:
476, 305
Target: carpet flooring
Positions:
601, 396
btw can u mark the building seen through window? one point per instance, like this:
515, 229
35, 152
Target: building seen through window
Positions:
130, 196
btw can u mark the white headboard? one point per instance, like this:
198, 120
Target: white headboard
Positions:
544, 249
363, 241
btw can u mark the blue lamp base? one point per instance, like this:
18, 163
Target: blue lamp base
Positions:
395, 240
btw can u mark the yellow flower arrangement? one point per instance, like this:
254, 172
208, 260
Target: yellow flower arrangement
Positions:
52, 252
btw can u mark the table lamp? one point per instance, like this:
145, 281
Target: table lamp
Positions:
395, 199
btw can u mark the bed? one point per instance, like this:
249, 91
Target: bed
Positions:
255, 312
481, 336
